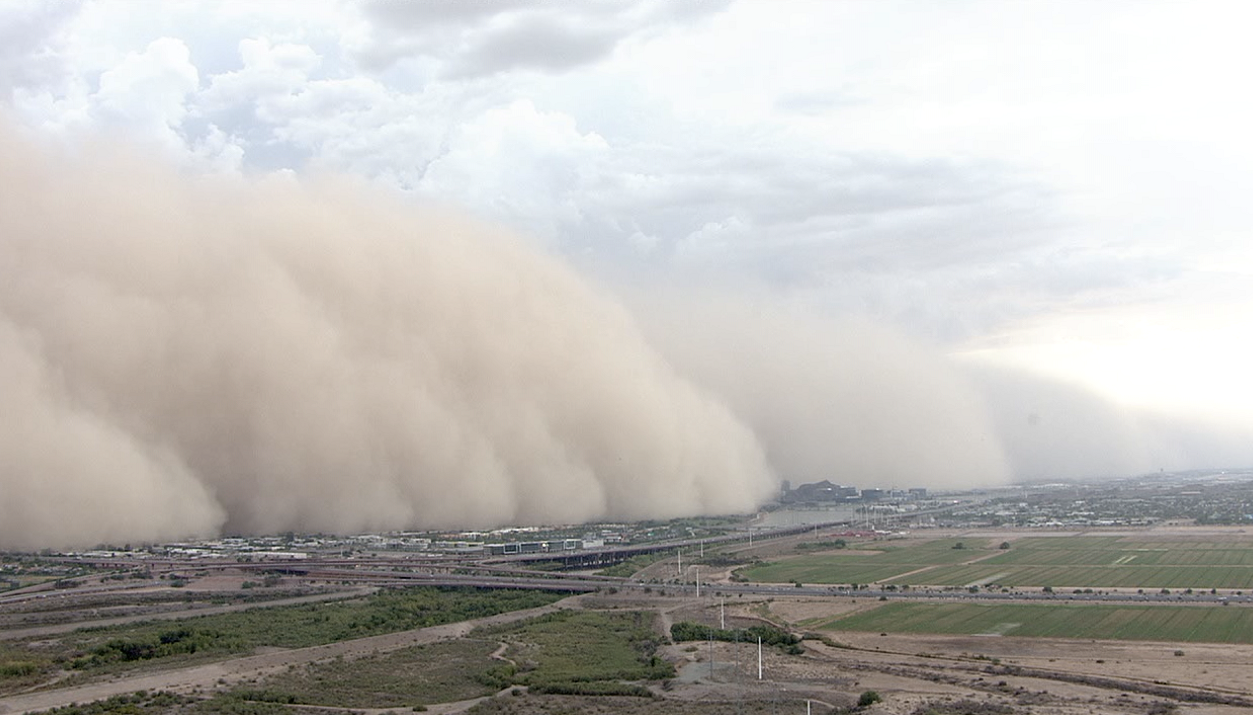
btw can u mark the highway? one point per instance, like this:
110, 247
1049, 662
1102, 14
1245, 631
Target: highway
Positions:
584, 584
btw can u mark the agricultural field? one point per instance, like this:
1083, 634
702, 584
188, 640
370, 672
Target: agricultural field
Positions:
1182, 624
886, 562
1125, 562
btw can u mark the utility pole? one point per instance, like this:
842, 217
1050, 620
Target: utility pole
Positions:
680, 564
698, 582
711, 655
722, 610
759, 657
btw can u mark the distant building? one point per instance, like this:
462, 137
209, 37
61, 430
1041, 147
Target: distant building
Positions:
823, 491
534, 547
282, 555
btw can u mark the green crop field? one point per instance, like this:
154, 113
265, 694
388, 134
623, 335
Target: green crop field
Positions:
1151, 577
1160, 623
820, 569
892, 561
1060, 562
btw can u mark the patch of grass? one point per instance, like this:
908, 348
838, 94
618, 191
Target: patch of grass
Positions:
598, 688
21, 668
581, 646
965, 706
138, 703
236, 705
431, 673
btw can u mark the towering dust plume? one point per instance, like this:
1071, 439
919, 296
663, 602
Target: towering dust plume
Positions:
861, 404
181, 356
844, 400
184, 356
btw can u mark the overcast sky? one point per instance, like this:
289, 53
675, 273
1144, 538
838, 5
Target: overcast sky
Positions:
1063, 186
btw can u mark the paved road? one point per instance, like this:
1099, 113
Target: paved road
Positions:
570, 582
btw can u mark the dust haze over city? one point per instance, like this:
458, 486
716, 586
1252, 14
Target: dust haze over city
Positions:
360, 267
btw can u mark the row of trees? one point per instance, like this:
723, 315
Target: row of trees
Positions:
769, 635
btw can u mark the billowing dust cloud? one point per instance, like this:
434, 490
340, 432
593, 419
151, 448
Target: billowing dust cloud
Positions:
861, 404
184, 356
846, 401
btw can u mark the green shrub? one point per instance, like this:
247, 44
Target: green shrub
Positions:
868, 698
18, 669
